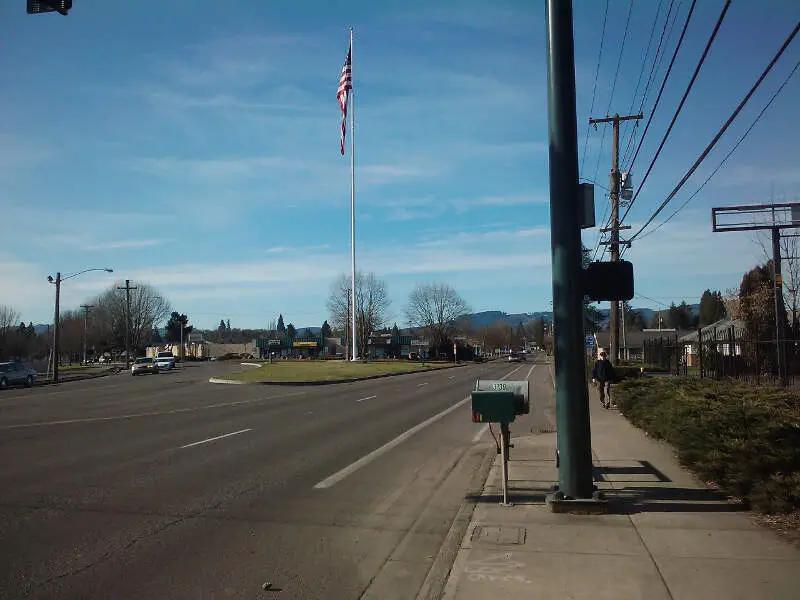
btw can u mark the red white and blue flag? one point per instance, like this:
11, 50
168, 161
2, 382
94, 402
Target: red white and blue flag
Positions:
343, 94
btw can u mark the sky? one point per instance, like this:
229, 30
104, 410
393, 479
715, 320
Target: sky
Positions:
194, 145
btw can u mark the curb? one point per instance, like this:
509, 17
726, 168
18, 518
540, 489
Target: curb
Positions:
226, 381
329, 381
71, 379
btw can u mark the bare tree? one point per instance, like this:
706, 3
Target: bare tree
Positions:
371, 310
790, 269
148, 310
9, 319
436, 307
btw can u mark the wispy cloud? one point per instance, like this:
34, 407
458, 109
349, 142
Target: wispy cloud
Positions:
127, 244
221, 169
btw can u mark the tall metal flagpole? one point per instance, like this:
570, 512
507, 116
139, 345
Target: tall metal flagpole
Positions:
352, 203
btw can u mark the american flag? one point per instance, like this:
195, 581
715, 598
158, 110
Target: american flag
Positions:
343, 93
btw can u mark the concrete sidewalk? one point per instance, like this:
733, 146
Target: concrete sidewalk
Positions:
667, 537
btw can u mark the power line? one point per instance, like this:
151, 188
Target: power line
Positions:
656, 60
680, 105
722, 129
727, 156
663, 84
614, 83
594, 88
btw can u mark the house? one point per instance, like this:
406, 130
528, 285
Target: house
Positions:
724, 336
633, 344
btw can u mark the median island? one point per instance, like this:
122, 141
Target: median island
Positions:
328, 370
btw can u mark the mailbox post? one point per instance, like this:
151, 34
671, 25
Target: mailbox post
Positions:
498, 401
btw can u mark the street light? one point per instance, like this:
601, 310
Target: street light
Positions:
57, 282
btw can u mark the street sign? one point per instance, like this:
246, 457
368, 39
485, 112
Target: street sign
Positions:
589, 342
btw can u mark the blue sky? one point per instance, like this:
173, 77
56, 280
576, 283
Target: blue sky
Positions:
194, 145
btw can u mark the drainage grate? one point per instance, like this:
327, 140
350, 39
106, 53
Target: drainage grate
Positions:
498, 535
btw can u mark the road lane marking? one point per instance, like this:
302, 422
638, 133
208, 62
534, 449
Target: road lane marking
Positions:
368, 458
528, 376
421, 384
481, 431
146, 414
452, 377
214, 439
514, 371
367, 398
365, 460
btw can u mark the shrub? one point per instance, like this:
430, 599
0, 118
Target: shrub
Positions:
745, 439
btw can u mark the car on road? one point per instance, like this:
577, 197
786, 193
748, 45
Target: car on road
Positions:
164, 359
16, 373
514, 357
145, 364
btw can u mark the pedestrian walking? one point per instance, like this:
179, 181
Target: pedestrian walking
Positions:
603, 375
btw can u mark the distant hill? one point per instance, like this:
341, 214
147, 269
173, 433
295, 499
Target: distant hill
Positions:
489, 317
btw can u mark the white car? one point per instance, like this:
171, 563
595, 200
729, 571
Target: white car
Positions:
164, 360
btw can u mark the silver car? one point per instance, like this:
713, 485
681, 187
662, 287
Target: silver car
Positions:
16, 373
144, 365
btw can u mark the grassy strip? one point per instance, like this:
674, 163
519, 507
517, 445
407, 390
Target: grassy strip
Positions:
306, 370
745, 439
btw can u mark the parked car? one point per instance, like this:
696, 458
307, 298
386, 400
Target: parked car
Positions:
144, 364
16, 373
164, 359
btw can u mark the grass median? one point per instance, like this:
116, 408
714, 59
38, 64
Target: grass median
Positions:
745, 439
328, 370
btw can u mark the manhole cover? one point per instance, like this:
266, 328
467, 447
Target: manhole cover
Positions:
498, 535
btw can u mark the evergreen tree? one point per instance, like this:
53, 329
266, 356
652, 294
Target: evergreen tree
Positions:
325, 330
281, 326
291, 332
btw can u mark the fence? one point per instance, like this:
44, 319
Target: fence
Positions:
722, 354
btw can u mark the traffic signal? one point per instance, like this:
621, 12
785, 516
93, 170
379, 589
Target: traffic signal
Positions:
608, 280
42, 6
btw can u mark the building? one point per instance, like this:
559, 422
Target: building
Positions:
724, 336
632, 345
284, 347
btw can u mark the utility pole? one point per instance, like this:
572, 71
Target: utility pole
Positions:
574, 453
56, 328
85, 308
614, 226
127, 289
780, 309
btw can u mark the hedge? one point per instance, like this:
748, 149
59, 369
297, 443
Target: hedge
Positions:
745, 439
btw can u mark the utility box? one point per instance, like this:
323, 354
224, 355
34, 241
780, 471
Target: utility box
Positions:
520, 389
493, 407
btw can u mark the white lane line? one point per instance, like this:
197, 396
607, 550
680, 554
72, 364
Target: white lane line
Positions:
421, 384
367, 398
452, 377
512, 372
159, 413
481, 431
528, 376
365, 460
219, 437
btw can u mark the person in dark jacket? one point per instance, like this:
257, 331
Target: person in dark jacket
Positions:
603, 375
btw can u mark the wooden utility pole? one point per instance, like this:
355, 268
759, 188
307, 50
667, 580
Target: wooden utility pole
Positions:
85, 308
614, 226
127, 289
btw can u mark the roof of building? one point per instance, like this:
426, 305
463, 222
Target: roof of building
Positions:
635, 339
717, 329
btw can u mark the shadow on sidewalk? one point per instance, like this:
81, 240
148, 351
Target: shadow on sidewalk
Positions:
639, 499
642, 467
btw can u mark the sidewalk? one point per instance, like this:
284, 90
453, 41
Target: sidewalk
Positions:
668, 536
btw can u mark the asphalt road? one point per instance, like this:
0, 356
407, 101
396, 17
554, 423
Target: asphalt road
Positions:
166, 486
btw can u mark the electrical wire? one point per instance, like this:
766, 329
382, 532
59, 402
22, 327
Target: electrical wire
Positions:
680, 106
727, 156
644, 64
594, 88
722, 130
663, 83
614, 84
656, 60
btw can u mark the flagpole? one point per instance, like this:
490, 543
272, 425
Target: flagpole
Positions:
352, 203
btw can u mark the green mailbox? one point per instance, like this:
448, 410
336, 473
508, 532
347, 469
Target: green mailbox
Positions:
493, 407
520, 389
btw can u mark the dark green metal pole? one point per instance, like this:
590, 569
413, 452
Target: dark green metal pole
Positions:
572, 396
